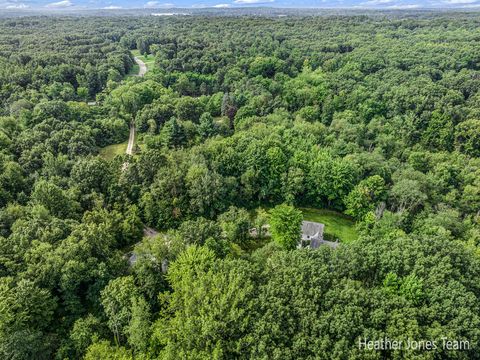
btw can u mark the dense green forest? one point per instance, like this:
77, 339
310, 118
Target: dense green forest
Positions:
239, 122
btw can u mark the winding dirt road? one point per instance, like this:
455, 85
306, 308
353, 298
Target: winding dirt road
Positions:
131, 138
143, 67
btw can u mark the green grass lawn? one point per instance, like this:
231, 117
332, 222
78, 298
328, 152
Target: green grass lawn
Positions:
149, 60
336, 224
110, 151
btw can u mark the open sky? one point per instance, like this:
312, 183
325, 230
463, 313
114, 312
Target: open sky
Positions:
168, 4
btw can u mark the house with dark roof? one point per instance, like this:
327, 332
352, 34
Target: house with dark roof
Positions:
312, 236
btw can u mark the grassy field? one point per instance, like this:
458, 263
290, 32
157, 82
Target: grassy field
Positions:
149, 60
109, 152
336, 224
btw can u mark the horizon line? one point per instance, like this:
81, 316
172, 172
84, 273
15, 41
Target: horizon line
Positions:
237, 7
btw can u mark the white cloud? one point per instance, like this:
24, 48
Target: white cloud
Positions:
158, 4
60, 4
391, 4
376, 2
460, 2
17, 6
112, 7
403, 6
252, 1
221, 6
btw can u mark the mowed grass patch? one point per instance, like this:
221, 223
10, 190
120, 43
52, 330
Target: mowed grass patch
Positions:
110, 151
337, 224
148, 59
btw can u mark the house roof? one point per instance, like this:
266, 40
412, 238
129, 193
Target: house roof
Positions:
313, 232
312, 229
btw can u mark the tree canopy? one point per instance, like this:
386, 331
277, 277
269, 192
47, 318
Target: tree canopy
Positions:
189, 247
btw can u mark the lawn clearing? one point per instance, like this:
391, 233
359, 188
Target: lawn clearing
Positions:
110, 151
336, 224
148, 59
